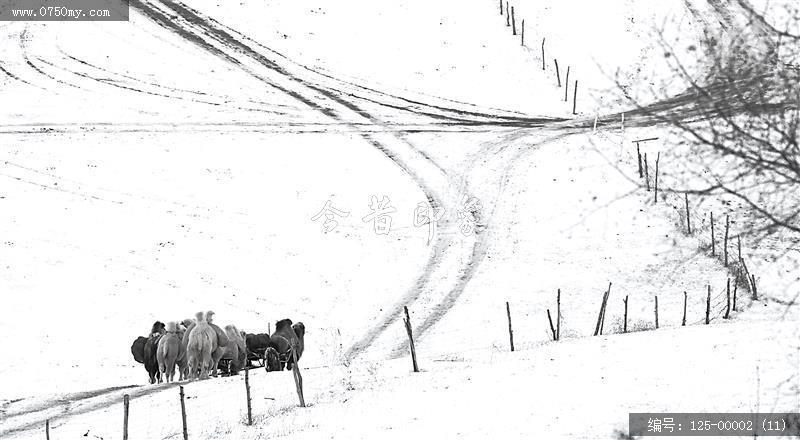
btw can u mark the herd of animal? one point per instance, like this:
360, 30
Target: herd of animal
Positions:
199, 348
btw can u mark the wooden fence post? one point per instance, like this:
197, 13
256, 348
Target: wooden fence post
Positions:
510, 331
746, 273
598, 329
625, 320
47, 429
605, 304
575, 98
513, 22
247, 387
739, 244
183, 415
735, 288
508, 16
298, 378
728, 295
656, 311
558, 74
708, 305
543, 66
558, 315
522, 33
407, 321
748, 278
646, 172
688, 223
639, 156
655, 186
755, 288
126, 399
552, 328
501, 7
685, 296
566, 85
727, 228
713, 243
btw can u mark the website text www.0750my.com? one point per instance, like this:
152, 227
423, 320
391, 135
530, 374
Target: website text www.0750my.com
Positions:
60, 12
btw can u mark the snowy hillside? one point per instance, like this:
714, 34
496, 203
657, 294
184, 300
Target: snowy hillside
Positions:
179, 162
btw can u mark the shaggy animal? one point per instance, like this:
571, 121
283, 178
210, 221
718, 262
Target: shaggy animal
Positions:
189, 324
158, 327
137, 349
223, 341
183, 359
150, 358
256, 344
283, 348
300, 331
202, 341
284, 340
150, 349
236, 351
170, 352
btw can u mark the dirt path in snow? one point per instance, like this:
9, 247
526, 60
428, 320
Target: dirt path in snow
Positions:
35, 415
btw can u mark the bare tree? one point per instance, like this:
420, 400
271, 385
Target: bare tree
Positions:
736, 124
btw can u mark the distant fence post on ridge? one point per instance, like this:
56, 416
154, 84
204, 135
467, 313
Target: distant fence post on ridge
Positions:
510, 330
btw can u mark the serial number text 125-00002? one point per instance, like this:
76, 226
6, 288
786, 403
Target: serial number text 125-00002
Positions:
714, 424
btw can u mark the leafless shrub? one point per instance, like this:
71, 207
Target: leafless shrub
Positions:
638, 325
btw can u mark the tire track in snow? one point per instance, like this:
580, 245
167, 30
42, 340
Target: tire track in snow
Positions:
75, 404
428, 176
647, 115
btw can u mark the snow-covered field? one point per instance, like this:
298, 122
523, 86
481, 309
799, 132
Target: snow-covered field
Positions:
174, 163
579, 389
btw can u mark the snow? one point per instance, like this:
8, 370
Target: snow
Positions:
147, 178
581, 388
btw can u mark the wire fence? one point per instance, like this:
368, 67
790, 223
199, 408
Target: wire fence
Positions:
155, 411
